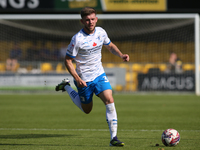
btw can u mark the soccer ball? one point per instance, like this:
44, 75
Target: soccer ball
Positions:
170, 137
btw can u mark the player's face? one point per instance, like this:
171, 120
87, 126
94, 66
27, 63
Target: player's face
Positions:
89, 22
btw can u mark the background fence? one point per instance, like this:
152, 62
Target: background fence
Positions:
35, 46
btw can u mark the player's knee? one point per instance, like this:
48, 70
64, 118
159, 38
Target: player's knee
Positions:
109, 100
87, 111
87, 108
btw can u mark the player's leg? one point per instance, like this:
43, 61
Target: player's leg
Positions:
87, 108
65, 86
86, 95
111, 116
82, 99
104, 91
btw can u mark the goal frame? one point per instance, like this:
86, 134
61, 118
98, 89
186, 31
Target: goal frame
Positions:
194, 16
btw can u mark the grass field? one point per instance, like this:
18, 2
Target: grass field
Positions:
53, 122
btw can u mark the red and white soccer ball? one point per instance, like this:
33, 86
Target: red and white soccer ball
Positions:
170, 137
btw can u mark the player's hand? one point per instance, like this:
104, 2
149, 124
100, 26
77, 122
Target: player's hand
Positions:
81, 83
125, 57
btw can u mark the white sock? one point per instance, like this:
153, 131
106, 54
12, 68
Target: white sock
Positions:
111, 117
74, 96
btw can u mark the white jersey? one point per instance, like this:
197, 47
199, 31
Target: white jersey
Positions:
86, 51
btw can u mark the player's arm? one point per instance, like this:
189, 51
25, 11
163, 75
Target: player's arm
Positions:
114, 50
70, 67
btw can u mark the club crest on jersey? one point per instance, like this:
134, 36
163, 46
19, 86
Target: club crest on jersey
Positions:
71, 46
94, 44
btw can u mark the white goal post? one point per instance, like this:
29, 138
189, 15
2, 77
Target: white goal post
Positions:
5, 17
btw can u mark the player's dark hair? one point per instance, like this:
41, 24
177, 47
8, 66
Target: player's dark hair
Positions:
87, 11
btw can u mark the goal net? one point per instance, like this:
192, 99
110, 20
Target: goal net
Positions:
153, 41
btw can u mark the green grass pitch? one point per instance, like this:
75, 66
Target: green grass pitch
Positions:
53, 122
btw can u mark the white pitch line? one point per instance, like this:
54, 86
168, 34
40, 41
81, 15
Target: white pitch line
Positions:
129, 130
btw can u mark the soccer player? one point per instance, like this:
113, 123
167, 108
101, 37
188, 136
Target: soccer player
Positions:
89, 76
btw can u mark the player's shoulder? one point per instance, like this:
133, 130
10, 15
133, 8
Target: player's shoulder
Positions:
78, 35
100, 29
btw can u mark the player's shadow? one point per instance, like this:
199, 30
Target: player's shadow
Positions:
66, 145
158, 146
28, 136
6, 144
